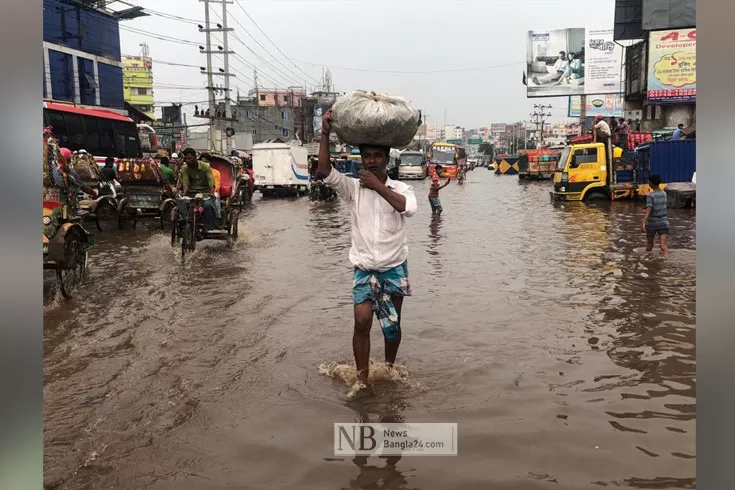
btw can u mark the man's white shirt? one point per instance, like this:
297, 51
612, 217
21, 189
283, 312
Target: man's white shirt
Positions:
379, 239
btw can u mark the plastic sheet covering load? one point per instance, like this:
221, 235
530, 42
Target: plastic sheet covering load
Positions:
680, 195
363, 117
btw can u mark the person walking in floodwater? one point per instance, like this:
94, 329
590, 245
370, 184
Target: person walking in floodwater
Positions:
655, 220
379, 207
436, 204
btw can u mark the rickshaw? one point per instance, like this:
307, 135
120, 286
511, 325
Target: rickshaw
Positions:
245, 186
187, 216
318, 190
66, 243
145, 192
102, 207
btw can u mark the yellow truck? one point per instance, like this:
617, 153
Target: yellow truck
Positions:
584, 174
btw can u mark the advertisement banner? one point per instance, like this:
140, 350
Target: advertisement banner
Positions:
672, 66
319, 111
497, 128
574, 61
608, 105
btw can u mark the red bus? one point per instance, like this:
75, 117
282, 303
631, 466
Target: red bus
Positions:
101, 132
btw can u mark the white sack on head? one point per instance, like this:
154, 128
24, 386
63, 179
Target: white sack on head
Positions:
363, 117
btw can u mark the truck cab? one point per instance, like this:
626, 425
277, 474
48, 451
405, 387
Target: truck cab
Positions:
584, 174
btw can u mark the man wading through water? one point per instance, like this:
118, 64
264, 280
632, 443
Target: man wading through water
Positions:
379, 207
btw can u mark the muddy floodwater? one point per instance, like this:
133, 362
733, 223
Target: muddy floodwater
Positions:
563, 353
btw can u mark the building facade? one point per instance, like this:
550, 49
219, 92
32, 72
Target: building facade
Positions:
81, 55
138, 83
642, 24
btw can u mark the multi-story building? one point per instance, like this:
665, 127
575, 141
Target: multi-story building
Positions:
138, 83
81, 53
649, 27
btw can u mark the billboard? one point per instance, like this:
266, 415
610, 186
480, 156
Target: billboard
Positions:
672, 66
574, 61
497, 128
319, 111
608, 105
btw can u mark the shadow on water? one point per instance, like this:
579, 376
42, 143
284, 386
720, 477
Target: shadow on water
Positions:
385, 407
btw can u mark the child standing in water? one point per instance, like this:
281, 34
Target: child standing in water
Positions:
436, 204
656, 220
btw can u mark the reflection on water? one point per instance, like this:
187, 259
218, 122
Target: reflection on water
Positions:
564, 353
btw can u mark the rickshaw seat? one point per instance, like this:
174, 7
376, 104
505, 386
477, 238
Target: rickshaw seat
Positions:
226, 182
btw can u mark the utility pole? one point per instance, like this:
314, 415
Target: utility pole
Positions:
539, 115
228, 109
212, 115
582, 114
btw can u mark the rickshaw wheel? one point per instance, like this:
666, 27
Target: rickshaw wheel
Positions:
69, 276
122, 219
167, 214
188, 241
174, 234
104, 213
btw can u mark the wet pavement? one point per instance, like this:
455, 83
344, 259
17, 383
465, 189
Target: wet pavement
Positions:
565, 355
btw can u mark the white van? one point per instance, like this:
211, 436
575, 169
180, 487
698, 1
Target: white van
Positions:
280, 169
412, 165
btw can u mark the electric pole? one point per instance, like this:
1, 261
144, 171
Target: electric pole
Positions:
539, 116
228, 109
212, 114
582, 114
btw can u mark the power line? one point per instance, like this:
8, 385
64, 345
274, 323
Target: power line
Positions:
416, 72
286, 77
280, 74
163, 14
160, 37
271, 41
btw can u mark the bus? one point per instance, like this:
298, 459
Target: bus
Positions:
448, 156
101, 132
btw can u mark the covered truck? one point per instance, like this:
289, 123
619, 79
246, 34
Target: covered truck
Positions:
281, 169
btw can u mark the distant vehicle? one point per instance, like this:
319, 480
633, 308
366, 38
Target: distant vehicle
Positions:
448, 156
148, 139
102, 133
281, 169
412, 165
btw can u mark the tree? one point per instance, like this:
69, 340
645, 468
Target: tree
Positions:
486, 148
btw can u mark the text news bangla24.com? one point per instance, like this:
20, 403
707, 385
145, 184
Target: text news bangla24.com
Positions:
421, 439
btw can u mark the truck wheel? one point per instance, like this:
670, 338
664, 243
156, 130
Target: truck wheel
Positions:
595, 196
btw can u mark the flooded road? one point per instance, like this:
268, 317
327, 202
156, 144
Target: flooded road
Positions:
565, 355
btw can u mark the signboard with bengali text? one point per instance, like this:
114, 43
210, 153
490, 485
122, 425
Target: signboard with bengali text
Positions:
672, 66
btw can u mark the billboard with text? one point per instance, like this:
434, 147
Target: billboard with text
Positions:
497, 128
575, 61
672, 66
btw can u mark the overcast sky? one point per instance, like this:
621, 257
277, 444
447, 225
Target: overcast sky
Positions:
363, 41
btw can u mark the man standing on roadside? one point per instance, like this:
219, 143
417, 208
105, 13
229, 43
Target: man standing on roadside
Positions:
379, 207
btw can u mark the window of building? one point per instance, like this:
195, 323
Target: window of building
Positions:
284, 132
262, 98
284, 115
61, 72
255, 131
285, 98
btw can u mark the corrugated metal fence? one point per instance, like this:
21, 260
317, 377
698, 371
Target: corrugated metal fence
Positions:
674, 160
